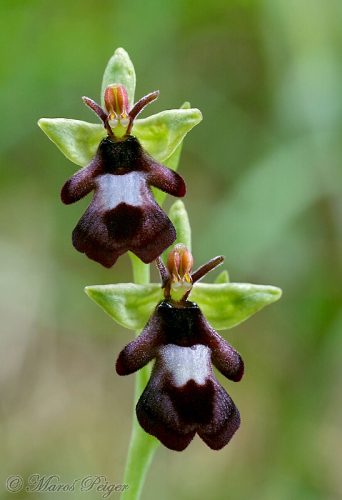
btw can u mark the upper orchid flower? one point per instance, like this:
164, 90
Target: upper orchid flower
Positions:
123, 214
122, 160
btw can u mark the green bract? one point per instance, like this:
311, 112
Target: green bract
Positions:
159, 134
179, 218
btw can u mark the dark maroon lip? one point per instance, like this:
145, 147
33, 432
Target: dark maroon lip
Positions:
176, 405
136, 222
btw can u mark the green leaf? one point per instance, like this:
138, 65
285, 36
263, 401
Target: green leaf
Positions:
227, 305
179, 218
223, 277
77, 140
128, 304
119, 69
160, 134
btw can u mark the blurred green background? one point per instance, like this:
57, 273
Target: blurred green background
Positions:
264, 177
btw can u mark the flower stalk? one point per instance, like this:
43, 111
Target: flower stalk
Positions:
142, 446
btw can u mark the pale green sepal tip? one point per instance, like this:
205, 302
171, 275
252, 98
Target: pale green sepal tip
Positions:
77, 140
228, 304
223, 277
120, 70
128, 304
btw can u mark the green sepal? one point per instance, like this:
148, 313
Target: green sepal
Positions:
160, 134
128, 304
76, 139
228, 304
224, 305
79, 140
120, 70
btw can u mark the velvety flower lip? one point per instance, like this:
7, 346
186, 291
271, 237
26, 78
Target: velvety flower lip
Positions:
183, 397
123, 214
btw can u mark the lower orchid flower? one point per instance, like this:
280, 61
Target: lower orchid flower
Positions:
183, 397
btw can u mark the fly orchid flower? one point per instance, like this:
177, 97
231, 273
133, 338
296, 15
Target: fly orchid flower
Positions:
123, 160
183, 397
123, 214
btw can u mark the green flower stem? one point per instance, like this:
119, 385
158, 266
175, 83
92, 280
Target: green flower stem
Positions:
142, 445
141, 449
